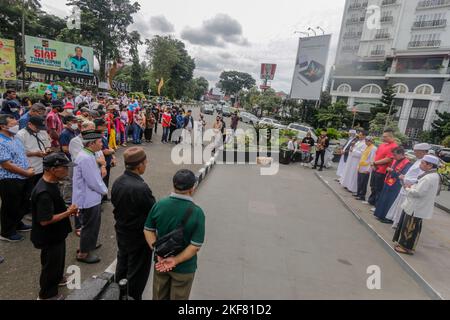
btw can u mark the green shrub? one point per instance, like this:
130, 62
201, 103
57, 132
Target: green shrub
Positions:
446, 142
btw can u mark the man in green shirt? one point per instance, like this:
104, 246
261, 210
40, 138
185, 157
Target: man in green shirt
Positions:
173, 276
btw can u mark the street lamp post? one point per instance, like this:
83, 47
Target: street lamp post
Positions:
23, 45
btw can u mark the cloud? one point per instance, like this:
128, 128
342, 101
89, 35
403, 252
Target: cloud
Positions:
161, 24
216, 32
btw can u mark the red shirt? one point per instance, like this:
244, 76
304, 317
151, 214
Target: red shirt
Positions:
166, 118
54, 122
385, 151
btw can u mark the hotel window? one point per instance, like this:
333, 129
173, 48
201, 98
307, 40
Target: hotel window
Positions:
419, 113
371, 89
424, 89
400, 89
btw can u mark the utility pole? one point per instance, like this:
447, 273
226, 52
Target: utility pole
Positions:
389, 114
23, 45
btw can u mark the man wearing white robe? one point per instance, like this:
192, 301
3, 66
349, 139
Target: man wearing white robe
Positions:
411, 178
345, 152
349, 179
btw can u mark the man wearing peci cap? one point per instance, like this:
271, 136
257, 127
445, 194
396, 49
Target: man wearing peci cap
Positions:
132, 200
174, 276
418, 206
51, 225
410, 178
88, 190
364, 168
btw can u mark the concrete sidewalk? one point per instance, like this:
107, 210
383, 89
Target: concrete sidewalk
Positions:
432, 259
287, 237
443, 201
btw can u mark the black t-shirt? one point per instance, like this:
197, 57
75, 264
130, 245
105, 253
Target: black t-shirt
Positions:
46, 201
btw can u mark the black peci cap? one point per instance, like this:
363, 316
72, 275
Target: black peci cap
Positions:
184, 180
39, 122
57, 160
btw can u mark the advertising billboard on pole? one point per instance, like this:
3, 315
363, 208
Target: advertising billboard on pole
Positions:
268, 71
7, 60
58, 57
310, 67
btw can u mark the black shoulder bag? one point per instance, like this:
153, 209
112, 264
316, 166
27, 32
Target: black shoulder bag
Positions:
172, 243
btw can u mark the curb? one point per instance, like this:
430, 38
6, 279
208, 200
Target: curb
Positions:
442, 207
103, 287
430, 291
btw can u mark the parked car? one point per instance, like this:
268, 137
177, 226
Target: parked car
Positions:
302, 130
207, 109
272, 122
218, 108
226, 111
249, 118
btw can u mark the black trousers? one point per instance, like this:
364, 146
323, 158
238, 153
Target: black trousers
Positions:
172, 130
53, 260
148, 134
90, 228
134, 260
13, 193
320, 154
363, 182
376, 185
106, 181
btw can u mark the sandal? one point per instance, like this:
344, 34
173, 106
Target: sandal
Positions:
400, 249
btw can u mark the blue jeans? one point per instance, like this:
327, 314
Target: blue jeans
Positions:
166, 132
136, 133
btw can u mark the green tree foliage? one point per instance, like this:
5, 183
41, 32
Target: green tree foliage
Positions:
378, 125
231, 82
104, 26
170, 61
441, 126
386, 102
269, 101
134, 40
446, 142
196, 88
336, 116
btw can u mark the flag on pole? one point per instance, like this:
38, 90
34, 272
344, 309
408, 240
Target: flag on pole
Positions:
160, 86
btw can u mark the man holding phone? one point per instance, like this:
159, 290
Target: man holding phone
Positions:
51, 224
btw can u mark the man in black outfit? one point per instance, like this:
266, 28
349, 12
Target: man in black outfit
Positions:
322, 145
51, 225
132, 200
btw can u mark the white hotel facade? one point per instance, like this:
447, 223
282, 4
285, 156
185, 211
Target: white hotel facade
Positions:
409, 49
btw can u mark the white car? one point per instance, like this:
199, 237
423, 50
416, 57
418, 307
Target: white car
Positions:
272, 122
302, 130
249, 118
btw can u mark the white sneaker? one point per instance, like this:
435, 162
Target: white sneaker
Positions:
365, 202
373, 209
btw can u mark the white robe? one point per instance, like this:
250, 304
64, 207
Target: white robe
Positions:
342, 163
411, 177
349, 178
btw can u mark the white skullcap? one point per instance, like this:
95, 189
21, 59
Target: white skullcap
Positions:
353, 132
422, 147
432, 160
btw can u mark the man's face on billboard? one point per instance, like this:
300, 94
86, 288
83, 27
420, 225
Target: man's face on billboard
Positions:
79, 52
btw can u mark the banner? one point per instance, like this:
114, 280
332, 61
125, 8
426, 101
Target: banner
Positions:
59, 57
7, 60
268, 71
310, 67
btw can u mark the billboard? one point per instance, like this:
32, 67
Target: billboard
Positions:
58, 57
310, 67
7, 60
268, 71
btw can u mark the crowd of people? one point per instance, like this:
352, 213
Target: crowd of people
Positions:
403, 193
55, 162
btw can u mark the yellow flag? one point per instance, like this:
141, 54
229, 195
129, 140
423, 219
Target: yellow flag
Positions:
160, 86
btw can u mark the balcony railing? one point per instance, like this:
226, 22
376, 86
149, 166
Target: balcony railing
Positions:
352, 35
378, 53
382, 36
431, 4
364, 73
430, 24
387, 19
355, 21
420, 71
350, 48
358, 6
388, 2
425, 44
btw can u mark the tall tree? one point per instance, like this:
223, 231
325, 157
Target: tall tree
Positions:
385, 103
231, 82
441, 126
169, 60
104, 26
335, 116
134, 41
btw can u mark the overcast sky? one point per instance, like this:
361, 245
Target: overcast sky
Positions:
235, 34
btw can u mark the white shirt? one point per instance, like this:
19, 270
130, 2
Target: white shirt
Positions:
31, 144
420, 198
413, 173
75, 147
291, 146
